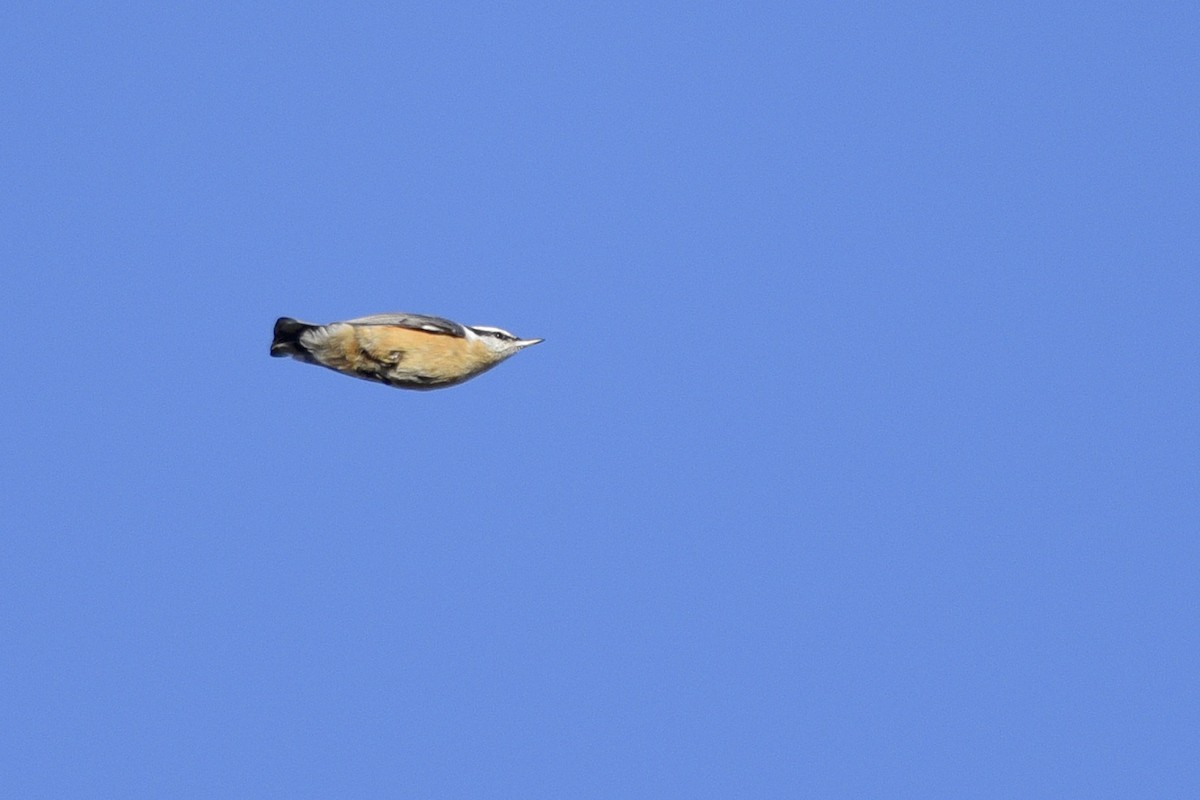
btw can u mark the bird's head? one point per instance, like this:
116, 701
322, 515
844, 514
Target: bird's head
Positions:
500, 342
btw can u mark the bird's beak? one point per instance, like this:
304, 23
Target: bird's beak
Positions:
528, 342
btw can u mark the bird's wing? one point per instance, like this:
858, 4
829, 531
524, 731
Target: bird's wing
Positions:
416, 322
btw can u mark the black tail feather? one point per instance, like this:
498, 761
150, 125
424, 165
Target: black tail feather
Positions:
287, 337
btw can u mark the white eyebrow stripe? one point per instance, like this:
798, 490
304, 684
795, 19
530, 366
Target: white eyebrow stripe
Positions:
491, 329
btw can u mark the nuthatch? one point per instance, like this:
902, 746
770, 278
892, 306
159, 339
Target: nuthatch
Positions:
408, 351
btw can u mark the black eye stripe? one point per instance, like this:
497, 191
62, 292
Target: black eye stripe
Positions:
504, 335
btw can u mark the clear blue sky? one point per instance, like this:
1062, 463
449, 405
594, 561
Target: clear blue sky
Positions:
861, 459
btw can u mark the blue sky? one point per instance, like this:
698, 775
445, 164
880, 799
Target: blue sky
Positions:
860, 459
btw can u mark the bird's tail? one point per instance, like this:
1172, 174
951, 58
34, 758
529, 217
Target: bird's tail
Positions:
287, 338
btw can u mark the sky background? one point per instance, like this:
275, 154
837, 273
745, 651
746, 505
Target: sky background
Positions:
861, 458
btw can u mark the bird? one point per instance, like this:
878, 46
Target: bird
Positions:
407, 351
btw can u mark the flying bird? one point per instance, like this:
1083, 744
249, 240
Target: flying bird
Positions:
408, 351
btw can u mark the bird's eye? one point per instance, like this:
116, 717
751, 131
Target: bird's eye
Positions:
508, 337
